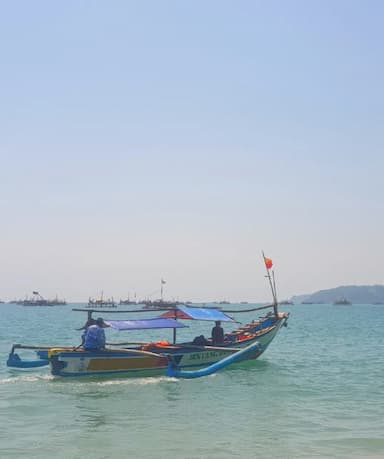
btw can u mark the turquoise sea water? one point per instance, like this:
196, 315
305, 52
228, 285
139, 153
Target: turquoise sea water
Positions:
317, 392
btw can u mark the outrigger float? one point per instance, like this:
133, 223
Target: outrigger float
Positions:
180, 360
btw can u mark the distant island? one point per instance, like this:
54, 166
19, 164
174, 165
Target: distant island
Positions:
356, 294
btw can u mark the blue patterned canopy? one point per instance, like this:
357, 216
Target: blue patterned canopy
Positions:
205, 314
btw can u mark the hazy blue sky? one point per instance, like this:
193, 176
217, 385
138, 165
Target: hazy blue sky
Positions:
179, 139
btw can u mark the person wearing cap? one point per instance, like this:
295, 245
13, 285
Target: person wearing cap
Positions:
95, 337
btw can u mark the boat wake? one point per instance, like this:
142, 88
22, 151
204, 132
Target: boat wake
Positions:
133, 381
29, 377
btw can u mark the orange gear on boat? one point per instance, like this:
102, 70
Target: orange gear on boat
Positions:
162, 343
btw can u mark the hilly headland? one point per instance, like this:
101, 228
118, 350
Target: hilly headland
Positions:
357, 294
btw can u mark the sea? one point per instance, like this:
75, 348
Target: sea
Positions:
317, 392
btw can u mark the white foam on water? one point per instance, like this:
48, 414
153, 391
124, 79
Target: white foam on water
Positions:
26, 378
135, 381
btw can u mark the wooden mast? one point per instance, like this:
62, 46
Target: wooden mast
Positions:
268, 266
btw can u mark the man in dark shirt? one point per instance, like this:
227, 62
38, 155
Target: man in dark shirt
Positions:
217, 334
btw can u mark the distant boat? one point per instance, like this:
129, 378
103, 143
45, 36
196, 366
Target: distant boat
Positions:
160, 303
128, 301
57, 302
101, 302
37, 300
342, 301
285, 302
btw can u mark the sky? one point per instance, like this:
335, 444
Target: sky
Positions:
142, 140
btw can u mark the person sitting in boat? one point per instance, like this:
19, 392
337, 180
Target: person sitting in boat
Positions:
87, 324
85, 327
217, 334
94, 336
200, 341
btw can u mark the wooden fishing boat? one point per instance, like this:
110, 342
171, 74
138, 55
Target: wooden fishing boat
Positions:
159, 304
37, 300
101, 302
342, 301
194, 358
153, 358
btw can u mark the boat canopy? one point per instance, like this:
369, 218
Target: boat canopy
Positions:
185, 312
144, 324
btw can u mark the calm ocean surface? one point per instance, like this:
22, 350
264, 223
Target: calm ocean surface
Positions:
317, 392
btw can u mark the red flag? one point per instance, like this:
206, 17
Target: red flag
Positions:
268, 263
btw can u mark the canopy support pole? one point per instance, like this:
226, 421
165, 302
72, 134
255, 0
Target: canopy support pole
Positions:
174, 330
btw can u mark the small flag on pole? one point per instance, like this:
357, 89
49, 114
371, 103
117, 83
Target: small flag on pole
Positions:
268, 263
163, 281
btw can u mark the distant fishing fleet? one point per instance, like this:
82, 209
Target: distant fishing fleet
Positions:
38, 300
337, 296
101, 301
